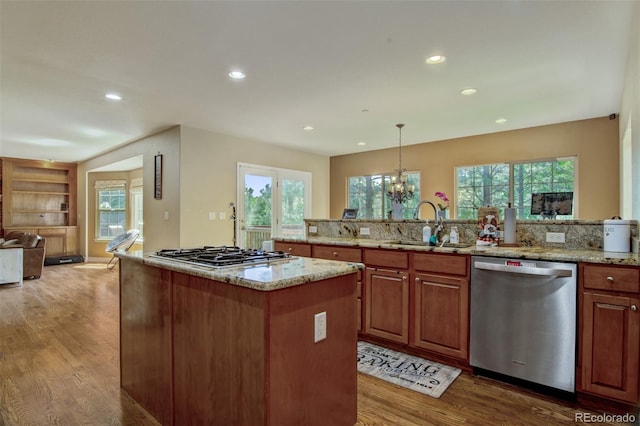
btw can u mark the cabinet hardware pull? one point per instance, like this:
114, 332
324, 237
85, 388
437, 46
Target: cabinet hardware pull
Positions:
404, 278
335, 253
610, 279
634, 308
417, 280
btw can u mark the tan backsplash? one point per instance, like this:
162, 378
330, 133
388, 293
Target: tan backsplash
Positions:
579, 235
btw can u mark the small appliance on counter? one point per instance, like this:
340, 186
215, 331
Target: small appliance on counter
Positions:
617, 235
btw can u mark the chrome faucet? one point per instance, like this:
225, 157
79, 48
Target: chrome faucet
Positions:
416, 212
437, 219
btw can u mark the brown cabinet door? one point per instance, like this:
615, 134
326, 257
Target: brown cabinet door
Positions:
610, 346
387, 304
441, 314
56, 241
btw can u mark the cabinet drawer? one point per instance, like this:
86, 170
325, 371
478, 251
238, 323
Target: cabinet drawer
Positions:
442, 263
294, 249
52, 231
388, 258
346, 254
611, 278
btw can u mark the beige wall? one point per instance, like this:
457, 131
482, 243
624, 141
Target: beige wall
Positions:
208, 179
595, 142
630, 126
159, 232
199, 176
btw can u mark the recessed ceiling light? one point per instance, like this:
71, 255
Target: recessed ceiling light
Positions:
436, 59
113, 96
468, 91
501, 120
361, 143
307, 128
237, 75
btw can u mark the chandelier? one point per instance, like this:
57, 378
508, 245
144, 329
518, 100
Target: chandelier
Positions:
398, 189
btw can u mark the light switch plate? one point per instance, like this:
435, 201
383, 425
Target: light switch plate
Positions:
320, 327
212, 215
313, 229
364, 231
222, 216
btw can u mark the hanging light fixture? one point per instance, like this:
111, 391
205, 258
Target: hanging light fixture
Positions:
398, 189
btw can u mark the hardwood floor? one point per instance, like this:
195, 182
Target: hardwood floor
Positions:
59, 365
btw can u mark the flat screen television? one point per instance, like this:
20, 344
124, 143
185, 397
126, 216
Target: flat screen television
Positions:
551, 204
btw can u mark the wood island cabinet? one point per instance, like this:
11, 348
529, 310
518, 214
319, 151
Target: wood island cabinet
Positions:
198, 350
387, 294
610, 331
345, 254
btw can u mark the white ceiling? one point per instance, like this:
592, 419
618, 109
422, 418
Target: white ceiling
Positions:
318, 63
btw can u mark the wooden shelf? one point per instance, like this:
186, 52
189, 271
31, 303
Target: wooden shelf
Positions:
42, 211
40, 192
64, 182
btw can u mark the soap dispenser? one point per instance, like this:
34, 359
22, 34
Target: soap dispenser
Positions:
454, 238
426, 233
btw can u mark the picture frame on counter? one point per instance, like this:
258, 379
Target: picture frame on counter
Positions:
349, 213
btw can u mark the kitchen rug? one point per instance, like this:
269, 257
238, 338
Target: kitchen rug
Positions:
411, 372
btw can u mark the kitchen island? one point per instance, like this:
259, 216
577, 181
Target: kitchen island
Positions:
236, 345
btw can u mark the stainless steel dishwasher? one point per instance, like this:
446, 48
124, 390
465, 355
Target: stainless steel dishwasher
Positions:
523, 320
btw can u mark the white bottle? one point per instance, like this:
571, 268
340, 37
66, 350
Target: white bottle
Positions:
453, 235
426, 234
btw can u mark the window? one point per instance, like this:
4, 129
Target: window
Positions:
112, 203
496, 184
136, 210
367, 194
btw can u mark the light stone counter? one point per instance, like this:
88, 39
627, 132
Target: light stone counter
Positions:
533, 253
265, 277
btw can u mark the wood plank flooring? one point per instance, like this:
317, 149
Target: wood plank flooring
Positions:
59, 365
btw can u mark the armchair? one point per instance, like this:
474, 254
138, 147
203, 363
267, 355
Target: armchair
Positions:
33, 252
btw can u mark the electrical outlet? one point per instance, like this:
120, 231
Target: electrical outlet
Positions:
222, 215
320, 327
212, 215
364, 231
555, 237
313, 229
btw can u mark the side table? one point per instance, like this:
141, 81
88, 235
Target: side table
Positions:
11, 265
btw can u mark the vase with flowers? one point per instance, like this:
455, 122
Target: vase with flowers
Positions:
442, 206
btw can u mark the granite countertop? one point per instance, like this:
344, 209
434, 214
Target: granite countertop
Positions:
533, 253
265, 277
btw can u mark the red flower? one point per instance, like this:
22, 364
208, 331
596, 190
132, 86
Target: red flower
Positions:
444, 198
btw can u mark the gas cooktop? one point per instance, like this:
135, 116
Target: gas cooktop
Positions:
221, 256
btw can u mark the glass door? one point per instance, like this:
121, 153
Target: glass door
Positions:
255, 219
295, 191
271, 202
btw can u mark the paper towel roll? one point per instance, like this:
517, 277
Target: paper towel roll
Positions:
509, 225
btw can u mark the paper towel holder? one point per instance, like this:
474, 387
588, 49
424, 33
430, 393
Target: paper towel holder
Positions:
511, 224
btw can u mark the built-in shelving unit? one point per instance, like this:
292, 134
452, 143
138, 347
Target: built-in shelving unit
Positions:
40, 197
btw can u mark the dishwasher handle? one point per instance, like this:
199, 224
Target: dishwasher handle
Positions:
526, 270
